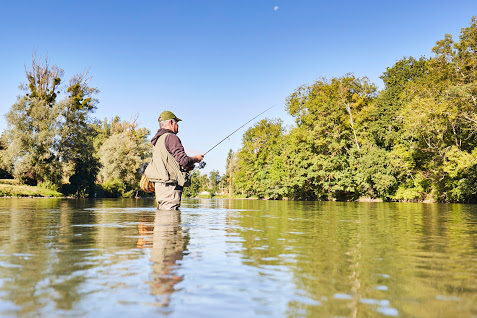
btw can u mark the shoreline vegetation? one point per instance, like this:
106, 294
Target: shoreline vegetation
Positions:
414, 140
11, 188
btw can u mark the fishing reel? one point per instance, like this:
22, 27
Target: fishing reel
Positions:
201, 165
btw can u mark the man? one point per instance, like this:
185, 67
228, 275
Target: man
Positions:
170, 164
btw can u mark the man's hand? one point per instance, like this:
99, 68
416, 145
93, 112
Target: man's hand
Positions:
198, 158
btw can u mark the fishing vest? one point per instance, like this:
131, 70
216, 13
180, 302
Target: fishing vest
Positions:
164, 167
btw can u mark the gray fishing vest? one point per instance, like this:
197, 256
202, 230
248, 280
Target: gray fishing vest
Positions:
164, 167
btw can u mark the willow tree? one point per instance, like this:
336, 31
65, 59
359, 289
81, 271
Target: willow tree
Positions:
121, 156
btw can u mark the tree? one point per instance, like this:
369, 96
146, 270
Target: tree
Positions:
194, 188
330, 116
439, 113
415, 140
260, 144
5, 167
214, 181
230, 169
49, 141
121, 156
76, 132
384, 126
301, 168
32, 126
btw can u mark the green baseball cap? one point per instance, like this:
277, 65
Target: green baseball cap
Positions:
166, 115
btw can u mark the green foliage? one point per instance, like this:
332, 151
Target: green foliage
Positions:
122, 154
205, 185
76, 146
459, 182
415, 140
261, 143
409, 193
6, 167
384, 127
56, 144
13, 188
48, 140
231, 168
43, 80
439, 117
327, 141
31, 136
113, 188
376, 173
194, 188
49, 186
214, 182
301, 167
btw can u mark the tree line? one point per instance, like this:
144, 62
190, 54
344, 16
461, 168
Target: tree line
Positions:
414, 140
52, 140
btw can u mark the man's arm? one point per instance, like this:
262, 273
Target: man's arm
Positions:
174, 146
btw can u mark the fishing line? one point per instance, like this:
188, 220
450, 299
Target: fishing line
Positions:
202, 163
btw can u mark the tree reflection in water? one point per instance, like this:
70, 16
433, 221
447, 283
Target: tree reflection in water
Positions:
167, 242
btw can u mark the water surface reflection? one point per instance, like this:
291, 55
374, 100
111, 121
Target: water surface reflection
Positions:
238, 258
167, 243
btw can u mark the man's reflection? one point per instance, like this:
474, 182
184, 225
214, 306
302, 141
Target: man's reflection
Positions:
167, 242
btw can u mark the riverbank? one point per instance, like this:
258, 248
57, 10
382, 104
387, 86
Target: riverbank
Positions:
13, 188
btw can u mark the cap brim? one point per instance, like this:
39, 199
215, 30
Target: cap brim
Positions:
178, 119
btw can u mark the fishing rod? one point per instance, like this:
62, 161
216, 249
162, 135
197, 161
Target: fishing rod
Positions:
202, 163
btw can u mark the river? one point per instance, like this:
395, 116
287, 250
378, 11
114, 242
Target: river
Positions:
236, 258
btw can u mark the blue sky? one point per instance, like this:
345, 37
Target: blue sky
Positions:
215, 64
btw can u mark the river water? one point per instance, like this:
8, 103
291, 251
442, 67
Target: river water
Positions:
236, 258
